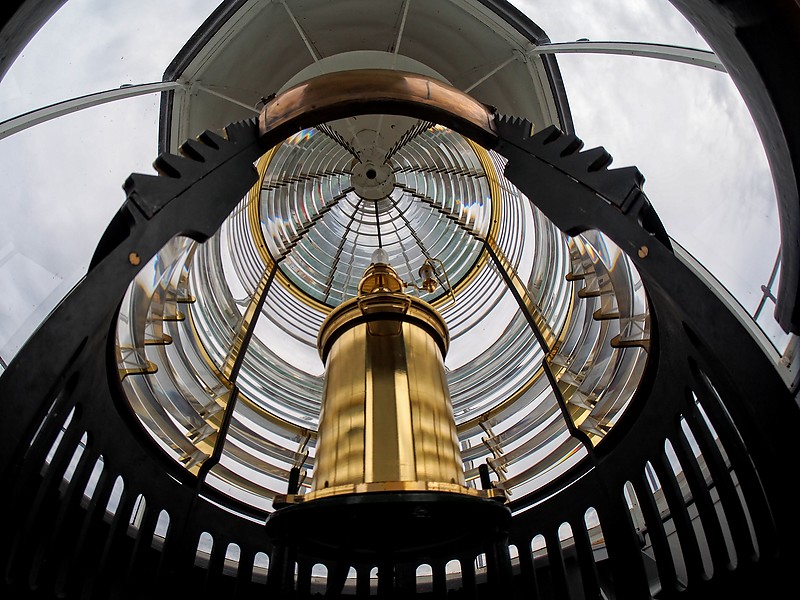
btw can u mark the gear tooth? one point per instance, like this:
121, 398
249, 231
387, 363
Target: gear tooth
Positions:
597, 158
621, 187
632, 174
146, 191
241, 130
169, 165
139, 181
211, 139
571, 144
194, 150
549, 134
522, 128
527, 127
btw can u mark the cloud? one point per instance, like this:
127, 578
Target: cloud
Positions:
93, 45
611, 20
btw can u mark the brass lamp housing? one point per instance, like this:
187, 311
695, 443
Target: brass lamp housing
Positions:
387, 421
386, 413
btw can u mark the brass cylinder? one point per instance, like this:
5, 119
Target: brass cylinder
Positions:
387, 419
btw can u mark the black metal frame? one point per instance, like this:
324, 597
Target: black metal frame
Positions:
701, 348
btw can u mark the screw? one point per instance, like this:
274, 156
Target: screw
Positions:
643, 252
134, 258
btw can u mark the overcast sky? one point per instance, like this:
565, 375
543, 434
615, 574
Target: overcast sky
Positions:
685, 127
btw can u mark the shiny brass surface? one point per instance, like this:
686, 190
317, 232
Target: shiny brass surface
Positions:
387, 418
379, 91
380, 278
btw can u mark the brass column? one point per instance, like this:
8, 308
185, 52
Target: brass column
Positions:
387, 420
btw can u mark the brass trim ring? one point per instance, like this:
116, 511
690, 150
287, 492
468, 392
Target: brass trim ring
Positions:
380, 91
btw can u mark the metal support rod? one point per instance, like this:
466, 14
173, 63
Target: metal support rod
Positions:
219, 445
294, 481
339, 249
212, 92
311, 49
541, 329
378, 225
498, 68
689, 56
400, 30
767, 289
54, 111
402, 248
562, 404
233, 363
483, 471
411, 230
235, 357
337, 137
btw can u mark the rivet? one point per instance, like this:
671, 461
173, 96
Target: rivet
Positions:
134, 258
643, 252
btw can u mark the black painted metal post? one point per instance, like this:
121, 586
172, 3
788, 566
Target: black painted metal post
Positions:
280, 577
385, 579
498, 564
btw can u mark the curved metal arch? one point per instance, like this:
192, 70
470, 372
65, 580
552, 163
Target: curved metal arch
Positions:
681, 54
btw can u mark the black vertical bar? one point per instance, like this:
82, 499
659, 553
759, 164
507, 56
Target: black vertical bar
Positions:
658, 538
294, 481
304, 574
705, 505
469, 585
690, 547
742, 463
624, 551
498, 563
558, 569
29, 530
483, 471
107, 565
729, 498
92, 520
363, 580
133, 581
405, 579
439, 579
527, 570
51, 552
588, 568
385, 579
280, 576
216, 563
244, 572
